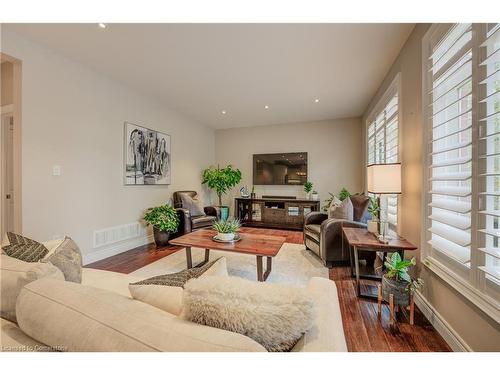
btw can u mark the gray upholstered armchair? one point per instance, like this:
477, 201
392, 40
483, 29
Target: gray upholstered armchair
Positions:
324, 236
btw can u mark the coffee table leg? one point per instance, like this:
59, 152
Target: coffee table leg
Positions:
356, 265
260, 276
189, 260
207, 255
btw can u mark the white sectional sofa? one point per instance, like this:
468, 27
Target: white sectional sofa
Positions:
100, 315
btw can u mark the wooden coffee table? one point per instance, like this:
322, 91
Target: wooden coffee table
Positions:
252, 244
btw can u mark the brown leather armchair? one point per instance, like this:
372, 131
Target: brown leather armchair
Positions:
189, 223
324, 236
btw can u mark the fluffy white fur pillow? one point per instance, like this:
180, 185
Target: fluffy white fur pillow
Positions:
276, 316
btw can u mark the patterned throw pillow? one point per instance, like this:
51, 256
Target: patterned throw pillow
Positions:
178, 278
68, 258
24, 248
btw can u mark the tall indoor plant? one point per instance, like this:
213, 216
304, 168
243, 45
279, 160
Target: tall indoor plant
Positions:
164, 220
221, 180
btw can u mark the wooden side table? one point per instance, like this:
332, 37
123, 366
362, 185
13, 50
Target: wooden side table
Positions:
361, 239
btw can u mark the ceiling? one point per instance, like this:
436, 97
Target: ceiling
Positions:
201, 70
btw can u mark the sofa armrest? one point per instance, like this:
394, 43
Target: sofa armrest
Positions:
212, 211
185, 225
315, 217
327, 332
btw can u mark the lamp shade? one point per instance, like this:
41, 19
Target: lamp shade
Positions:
384, 178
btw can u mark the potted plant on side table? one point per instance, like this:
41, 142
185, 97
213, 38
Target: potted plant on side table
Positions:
221, 180
397, 285
164, 220
374, 210
226, 229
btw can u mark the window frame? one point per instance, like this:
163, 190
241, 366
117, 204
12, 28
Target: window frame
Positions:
471, 283
393, 89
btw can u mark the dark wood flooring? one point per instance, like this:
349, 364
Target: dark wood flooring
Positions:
364, 331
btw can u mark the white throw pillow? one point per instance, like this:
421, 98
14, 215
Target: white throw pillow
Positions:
169, 298
276, 316
14, 275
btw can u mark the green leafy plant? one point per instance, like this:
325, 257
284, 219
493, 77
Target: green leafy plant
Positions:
374, 208
227, 226
344, 194
308, 186
397, 269
221, 179
163, 218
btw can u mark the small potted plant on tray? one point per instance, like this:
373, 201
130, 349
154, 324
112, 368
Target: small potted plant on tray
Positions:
164, 220
397, 281
226, 229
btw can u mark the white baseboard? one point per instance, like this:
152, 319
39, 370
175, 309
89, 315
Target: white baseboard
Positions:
452, 338
117, 248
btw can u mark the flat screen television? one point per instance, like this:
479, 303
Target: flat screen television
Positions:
280, 169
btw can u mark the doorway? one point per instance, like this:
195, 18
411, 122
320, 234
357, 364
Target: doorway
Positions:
10, 145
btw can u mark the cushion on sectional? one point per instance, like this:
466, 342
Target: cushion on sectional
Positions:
68, 258
165, 291
276, 316
24, 248
14, 274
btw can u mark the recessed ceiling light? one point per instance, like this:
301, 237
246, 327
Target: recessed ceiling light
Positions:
266, 107
102, 25
223, 112
316, 100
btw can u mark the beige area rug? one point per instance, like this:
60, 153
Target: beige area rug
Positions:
294, 265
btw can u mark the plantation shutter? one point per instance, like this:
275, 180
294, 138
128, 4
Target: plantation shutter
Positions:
489, 152
450, 145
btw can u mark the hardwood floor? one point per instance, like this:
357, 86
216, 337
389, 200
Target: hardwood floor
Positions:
363, 330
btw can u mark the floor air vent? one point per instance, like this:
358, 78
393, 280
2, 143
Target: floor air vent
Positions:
107, 236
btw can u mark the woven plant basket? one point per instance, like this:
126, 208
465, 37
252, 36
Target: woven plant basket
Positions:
397, 289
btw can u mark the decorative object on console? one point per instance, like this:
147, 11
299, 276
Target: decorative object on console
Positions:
252, 195
308, 186
397, 285
221, 180
244, 192
226, 229
314, 195
276, 316
384, 179
147, 156
164, 220
374, 210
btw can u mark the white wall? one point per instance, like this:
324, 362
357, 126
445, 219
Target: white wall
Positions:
73, 117
334, 150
